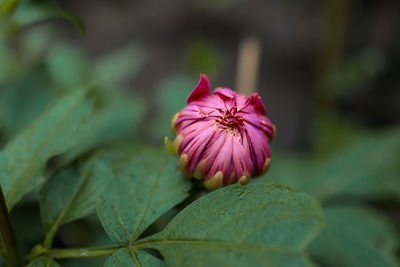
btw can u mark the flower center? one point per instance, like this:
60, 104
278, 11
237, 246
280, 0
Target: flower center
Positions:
228, 119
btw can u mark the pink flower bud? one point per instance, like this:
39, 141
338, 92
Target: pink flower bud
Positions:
222, 137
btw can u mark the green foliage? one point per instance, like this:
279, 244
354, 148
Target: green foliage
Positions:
72, 194
116, 120
354, 171
43, 262
19, 106
124, 257
135, 190
203, 56
356, 236
36, 11
7, 7
142, 190
352, 75
330, 133
171, 98
238, 225
49, 135
37, 42
8, 62
118, 65
67, 66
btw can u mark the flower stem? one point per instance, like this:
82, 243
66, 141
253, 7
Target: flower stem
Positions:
7, 234
82, 252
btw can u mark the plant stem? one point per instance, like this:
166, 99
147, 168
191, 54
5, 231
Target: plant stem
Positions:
82, 252
7, 235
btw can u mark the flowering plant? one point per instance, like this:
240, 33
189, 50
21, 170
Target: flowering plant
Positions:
222, 137
82, 182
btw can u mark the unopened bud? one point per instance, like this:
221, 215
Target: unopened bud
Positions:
222, 137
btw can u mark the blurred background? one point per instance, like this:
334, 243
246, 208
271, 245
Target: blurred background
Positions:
332, 59
327, 72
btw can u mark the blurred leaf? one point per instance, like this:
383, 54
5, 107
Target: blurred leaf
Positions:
253, 225
7, 7
119, 65
8, 63
50, 134
24, 100
118, 119
174, 92
288, 169
356, 236
144, 188
68, 66
38, 11
171, 98
72, 194
331, 132
128, 257
203, 56
43, 262
368, 168
37, 41
353, 74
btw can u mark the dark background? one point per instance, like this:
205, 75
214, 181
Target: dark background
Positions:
336, 57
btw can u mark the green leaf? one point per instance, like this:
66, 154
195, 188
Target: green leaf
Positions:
171, 98
36, 42
356, 170
68, 66
117, 120
24, 100
51, 134
354, 72
128, 257
37, 11
356, 236
119, 65
253, 225
331, 132
9, 64
43, 262
72, 194
143, 189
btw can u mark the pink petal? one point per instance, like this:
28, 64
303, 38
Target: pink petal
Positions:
255, 100
224, 92
222, 161
201, 89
